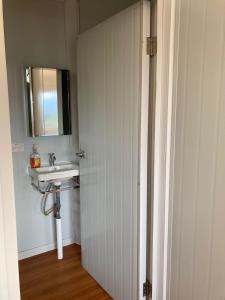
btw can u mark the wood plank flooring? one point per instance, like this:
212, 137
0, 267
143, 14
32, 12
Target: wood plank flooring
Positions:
44, 277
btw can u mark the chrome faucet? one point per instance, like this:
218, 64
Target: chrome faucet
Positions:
52, 159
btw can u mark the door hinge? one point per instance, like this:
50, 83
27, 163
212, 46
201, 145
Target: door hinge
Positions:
147, 289
152, 45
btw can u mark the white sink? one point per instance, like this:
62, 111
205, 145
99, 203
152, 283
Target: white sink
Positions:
57, 172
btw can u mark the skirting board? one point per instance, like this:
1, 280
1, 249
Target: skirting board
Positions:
43, 249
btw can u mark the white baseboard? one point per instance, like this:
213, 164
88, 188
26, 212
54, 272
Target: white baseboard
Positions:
43, 249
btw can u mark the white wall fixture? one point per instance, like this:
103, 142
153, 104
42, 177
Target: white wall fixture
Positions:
17, 147
113, 86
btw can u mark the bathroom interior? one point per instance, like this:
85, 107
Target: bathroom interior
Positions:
41, 53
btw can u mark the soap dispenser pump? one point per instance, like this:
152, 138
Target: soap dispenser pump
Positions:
35, 159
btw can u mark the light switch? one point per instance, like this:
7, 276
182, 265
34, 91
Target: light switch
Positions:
17, 147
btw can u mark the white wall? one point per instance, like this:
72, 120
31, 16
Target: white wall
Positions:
93, 12
9, 277
198, 232
41, 33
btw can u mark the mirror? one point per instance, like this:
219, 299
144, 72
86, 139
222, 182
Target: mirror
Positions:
48, 101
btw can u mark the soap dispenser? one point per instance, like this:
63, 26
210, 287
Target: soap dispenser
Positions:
35, 159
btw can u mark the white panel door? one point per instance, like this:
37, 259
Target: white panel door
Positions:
113, 81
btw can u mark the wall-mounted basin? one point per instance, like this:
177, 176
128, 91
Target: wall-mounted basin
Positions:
60, 171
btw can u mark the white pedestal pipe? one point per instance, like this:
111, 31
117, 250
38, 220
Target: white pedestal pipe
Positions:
58, 221
59, 238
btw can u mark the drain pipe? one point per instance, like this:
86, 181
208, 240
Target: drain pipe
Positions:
58, 220
55, 189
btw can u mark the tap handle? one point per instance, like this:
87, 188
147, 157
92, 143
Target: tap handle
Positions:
51, 154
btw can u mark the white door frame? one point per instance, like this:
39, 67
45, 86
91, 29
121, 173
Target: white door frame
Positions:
164, 132
165, 110
9, 276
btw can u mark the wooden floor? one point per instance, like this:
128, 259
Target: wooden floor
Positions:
43, 277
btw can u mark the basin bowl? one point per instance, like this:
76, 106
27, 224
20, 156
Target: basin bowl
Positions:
59, 172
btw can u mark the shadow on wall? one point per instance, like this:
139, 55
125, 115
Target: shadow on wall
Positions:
93, 12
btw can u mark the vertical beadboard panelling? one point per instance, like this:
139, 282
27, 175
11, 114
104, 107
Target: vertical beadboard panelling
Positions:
216, 272
109, 100
183, 65
198, 248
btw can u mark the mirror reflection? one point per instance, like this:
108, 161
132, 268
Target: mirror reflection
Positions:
48, 102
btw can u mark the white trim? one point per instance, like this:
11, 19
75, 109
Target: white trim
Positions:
171, 130
9, 275
143, 150
163, 164
45, 248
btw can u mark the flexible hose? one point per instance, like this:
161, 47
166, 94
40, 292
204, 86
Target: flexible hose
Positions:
44, 201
